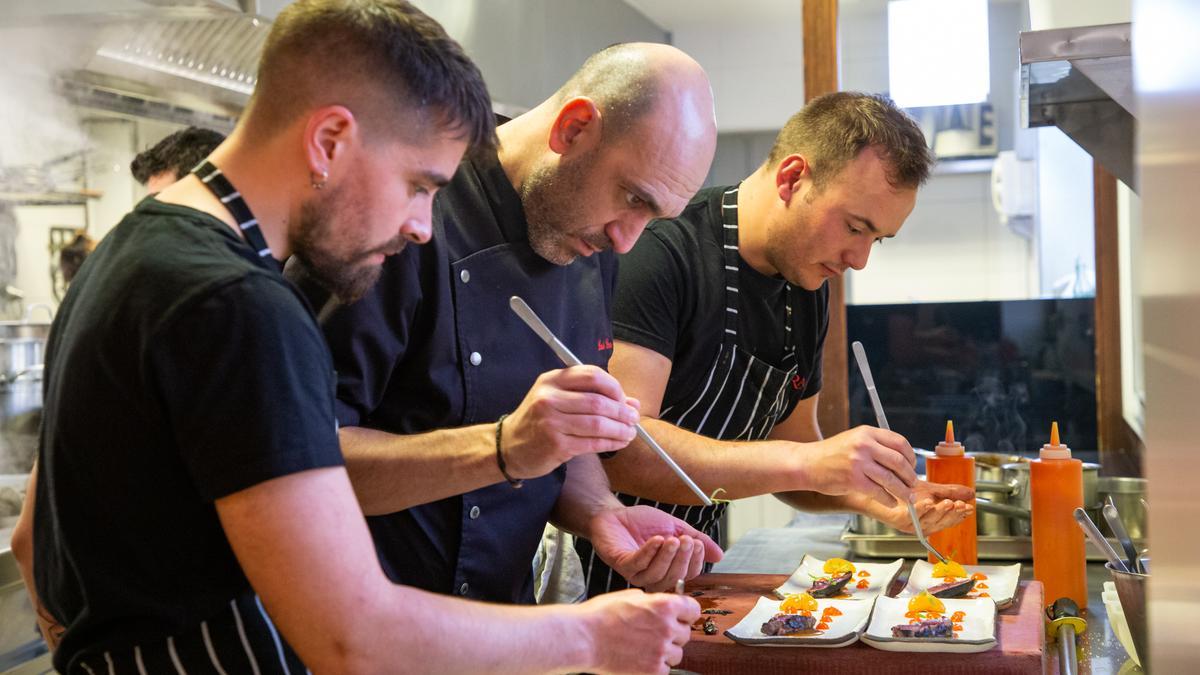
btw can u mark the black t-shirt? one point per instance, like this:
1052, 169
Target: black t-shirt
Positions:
671, 299
181, 368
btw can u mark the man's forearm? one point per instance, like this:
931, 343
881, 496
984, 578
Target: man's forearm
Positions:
740, 468
22, 548
585, 492
392, 472
815, 502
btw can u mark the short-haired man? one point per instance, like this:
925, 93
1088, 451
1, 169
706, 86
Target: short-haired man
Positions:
720, 317
192, 509
173, 157
448, 402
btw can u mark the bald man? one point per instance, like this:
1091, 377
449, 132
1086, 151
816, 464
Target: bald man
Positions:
463, 435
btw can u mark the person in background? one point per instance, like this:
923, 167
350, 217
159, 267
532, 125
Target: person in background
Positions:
173, 157
191, 510
720, 318
71, 256
463, 433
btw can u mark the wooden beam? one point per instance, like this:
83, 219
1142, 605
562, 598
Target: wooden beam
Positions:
1120, 448
821, 77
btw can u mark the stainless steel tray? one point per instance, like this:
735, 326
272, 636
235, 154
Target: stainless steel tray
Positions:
990, 547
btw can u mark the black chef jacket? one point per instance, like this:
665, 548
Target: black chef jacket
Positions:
435, 345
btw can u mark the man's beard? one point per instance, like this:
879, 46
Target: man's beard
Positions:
550, 197
346, 275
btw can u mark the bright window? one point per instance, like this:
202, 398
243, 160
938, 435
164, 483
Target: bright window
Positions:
938, 52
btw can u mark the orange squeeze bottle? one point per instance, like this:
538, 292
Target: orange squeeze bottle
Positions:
1056, 485
959, 543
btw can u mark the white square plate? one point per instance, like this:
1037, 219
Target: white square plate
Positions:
1001, 581
978, 633
879, 577
843, 630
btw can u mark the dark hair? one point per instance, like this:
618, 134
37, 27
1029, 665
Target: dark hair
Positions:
393, 66
832, 129
619, 82
71, 256
179, 153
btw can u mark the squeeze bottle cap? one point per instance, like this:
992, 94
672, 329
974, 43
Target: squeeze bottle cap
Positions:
1054, 449
949, 447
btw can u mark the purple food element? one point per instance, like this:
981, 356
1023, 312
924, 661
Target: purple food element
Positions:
787, 624
954, 589
929, 628
827, 588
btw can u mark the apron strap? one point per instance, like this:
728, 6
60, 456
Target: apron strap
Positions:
222, 189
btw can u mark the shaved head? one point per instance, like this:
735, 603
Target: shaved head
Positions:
628, 138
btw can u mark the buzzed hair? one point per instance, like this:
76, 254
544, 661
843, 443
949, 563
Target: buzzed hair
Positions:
619, 82
831, 130
391, 65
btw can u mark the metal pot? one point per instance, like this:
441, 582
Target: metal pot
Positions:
991, 486
1127, 495
22, 347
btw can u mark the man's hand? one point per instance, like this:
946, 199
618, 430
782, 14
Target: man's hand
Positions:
569, 412
650, 548
635, 632
939, 506
865, 460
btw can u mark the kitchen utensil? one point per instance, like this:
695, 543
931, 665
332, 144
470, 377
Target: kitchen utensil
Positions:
531, 319
1093, 534
1118, 530
1131, 589
1065, 624
860, 355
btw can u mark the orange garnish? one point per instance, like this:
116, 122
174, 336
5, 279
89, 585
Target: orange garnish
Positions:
950, 580
863, 584
981, 586
957, 616
864, 573
958, 626
984, 595
822, 626
795, 602
833, 611
979, 576
805, 612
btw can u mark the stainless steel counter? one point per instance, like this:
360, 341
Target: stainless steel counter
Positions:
779, 550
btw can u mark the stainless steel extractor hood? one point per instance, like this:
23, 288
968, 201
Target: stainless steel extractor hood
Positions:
1081, 80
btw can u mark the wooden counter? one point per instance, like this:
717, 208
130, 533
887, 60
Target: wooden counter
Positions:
1021, 637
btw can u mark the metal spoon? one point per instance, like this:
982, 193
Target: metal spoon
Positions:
531, 319
1093, 534
1118, 530
860, 355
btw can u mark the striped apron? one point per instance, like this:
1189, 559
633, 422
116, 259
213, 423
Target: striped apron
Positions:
242, 640
741, 399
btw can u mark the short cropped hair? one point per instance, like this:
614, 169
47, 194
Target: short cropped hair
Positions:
619, 82
831, 130
390, 64
178, 153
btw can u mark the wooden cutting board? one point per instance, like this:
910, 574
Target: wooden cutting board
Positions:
1021, 637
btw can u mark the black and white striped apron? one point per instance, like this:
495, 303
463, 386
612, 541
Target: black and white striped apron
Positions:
742, 399
241, 640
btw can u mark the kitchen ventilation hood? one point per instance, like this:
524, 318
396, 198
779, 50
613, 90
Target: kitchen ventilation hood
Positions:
1080, 79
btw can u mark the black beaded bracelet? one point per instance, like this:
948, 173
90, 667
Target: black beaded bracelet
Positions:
515, 482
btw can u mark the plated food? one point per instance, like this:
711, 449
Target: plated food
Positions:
996, 582
840, 579
926, 623
802, 620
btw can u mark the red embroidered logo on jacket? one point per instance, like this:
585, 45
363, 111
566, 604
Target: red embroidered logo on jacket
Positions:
604, 344
797, 382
